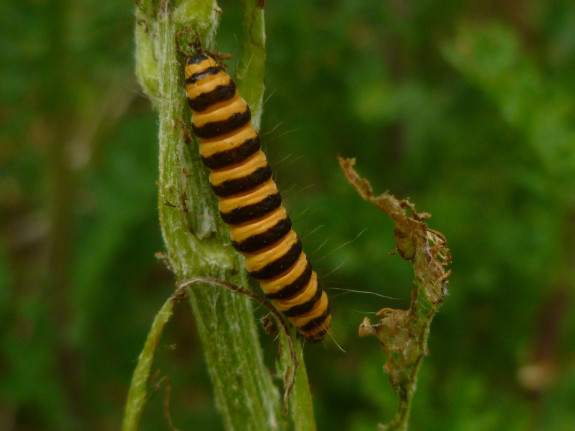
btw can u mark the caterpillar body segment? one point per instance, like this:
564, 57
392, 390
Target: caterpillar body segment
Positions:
249, 200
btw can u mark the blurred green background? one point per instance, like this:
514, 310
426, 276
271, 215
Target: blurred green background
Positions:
467, 108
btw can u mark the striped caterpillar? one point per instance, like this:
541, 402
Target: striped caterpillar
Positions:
249, 200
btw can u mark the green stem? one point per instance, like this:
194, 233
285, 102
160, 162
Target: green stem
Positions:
196, 239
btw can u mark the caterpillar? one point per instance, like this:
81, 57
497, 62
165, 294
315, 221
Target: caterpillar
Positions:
249, 201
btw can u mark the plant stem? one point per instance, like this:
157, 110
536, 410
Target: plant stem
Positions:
196, 239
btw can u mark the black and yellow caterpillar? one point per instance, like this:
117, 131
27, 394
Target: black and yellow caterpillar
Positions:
250, 202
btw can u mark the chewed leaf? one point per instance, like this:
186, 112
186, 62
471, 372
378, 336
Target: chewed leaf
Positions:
403, 333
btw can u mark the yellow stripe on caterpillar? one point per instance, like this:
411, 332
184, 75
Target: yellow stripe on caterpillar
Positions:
207, 84
223, 113
276, 284
305, 295
255, 227
193, 68
249, 198
243, 169
257, 261
234, 140
314, 313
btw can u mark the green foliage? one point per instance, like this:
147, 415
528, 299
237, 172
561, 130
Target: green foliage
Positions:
465, 108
